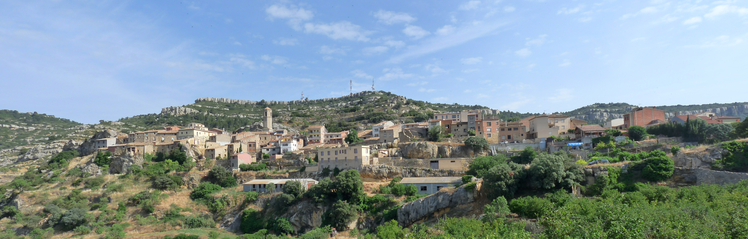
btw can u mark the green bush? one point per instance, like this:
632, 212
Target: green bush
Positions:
198, 222
102, 159
342, 213
637, 133
478, 144
94, 183
252, 221
204, 190
82, 230
736, 158
531, 207
526, 156
219, 175
658, 168
282, 226
470, 186
467, 179
9, 211
498, 208
481, 165
250, 196
73, 218
675, 150
253, 167
294, 188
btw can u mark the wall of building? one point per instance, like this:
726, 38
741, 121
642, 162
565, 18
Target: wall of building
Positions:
344, 157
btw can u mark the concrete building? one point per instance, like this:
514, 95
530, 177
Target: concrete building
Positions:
589, 131
317, 134
268, 119
459, 129
461, 116
262, 185
488, 129
643, 116
200, 135
431, 185
288, 144
241, 158
106, 142
375, 129
512, 131
544, 126
345, 157
614, 124
222, 139
336, 137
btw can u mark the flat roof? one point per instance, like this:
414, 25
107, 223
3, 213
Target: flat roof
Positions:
419, 180
277, 181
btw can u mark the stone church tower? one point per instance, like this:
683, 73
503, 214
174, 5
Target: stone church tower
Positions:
268, 119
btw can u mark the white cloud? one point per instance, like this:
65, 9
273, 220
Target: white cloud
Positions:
278, 60
418, 83
638, 39
647, 10
524, 52
331, 50
570, 10
445, 30
286, 41
237, 43
530, 66
585, 19
435, 70
327, 58
241, 61
462, 35
294, 14
692, 20
720, 41
394, 74
469, 71
471, 61
415, 32
470, 5
339, 30
390, 18
395, 44
725, 9
562, 95
375, 50
537, 41
565, 63
426, 90
509, 9
361, 74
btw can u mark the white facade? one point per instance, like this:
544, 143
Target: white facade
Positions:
378, 127
288, 145
105, 142
614, 123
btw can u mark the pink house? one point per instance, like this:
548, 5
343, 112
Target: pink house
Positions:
241, 158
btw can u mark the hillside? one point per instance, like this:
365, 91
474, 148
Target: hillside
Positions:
342, 113
20, 129
598, 113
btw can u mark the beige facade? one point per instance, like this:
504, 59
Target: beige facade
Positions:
545, 126
377, 128
317, 134
390, 135
222, 139
459, 129
201, 136
213, 153
512, 131
345, 157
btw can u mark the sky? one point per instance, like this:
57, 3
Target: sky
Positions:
104, 60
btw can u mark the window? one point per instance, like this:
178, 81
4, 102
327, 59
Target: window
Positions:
488, 123
509, 129
489, 135
516, 129
508, 137
438, 188
355, 151
424, 188
488, 129
452, 161
355, 157
503, 137
502, 129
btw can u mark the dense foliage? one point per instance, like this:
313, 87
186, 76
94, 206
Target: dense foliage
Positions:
736, 158
637, 133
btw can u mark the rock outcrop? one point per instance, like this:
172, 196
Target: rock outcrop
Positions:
386, 172
89, 147
121, 164
177, 110
422, 208
698, 176
40, 151
691, 159
428, 150
305, 216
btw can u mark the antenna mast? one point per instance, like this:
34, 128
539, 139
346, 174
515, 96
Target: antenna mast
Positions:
372, 84
302, 96
351, 87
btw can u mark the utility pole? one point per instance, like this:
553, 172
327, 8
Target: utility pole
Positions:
302, 96
372, 84
351, 87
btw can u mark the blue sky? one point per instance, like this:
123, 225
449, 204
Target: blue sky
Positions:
91, 60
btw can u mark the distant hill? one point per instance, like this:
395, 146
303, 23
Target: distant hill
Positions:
19, 129
599, 113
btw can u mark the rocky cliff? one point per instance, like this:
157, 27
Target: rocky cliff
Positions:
387, 172
438, 203
428, 150
600, 113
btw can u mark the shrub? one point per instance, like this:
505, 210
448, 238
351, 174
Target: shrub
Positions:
498, 208
581, 162
637, 133
549, 171
73, 218
470, 186
250, 196
402, 189
318, 233
390, 230
219, 175
253, 167
198, 222
467, 179
204, 190
94, 183
502, 179
481, 165
293, 188
675, 150
526, 156
82, 230
164, 182
252, 221
146, 200
658, 168
282, 226
478, 144
531, 207
9, 211
102, 159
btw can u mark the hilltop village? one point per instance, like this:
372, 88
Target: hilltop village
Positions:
425, 174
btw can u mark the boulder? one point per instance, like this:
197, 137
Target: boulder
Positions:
92, 169
412, 212
122, 164
691, 159
419, 150
89, 146
40, 151
71, 145
306, 216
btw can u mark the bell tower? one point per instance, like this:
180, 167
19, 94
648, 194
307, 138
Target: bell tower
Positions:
268, 119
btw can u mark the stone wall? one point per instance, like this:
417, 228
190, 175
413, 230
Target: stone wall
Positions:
387, 172
426, 207
428, 150
700, 176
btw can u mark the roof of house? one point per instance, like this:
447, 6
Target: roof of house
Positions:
168, 132
279, 181
728, 117
382, 123
364, 132
421, 180
707, 119
592, 127
316, 126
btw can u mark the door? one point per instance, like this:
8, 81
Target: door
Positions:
434, 164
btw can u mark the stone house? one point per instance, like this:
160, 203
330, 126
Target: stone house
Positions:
106, 142
375, 129
288, 144
336, 137
544, 126
431, 185
215, 152
345, 157
643, 116
512, 131
589, 131
200, 135
390, 135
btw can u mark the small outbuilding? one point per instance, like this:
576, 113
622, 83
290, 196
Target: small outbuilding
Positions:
239, 159
431, 185
263, 185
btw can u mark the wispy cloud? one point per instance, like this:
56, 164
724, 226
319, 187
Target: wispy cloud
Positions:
471, 5
339, 30
278, 60
562, 95
327, 50
415, 32
375, 50
395, 74
286, 41
390, 18
570, 10
445, 30
524, 52
692, 20
361, 74
726, 9
509, 9
536, 41
565, 63
294, 14
471, 61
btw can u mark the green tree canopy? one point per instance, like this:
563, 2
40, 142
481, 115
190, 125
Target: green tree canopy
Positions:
637, 133
478, 144
352, 137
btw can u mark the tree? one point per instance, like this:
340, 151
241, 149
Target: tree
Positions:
471, 132
72, 218
293, 188
435, 133
478, 144
102, 159
342, 213
502, 179
659, 167
219, 175
480, 165
741, 130
498, 208
352, 137
349, 186
526, 156
549, 171
613, 132
637, 133
719, 132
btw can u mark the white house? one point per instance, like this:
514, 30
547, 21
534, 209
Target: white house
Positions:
378, 127
288, 145
261, 185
